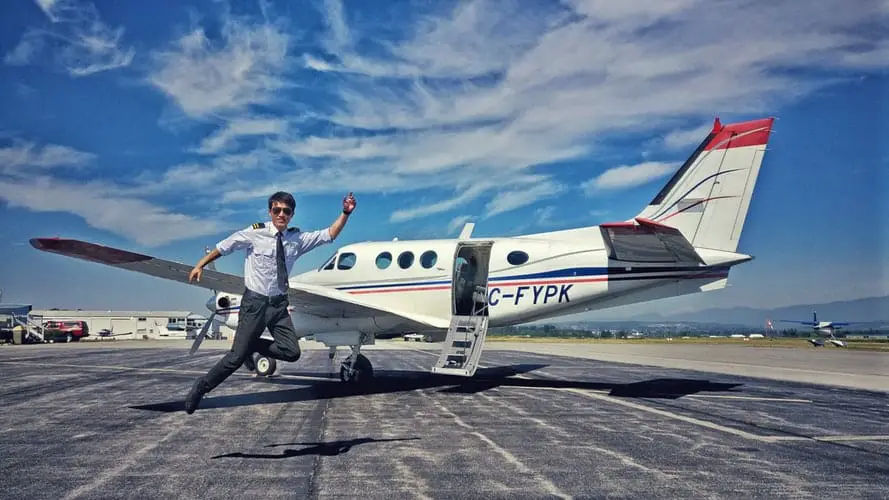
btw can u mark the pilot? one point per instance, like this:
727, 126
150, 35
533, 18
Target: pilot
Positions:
271, 250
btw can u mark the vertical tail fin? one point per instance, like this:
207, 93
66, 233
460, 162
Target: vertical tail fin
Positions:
708, 197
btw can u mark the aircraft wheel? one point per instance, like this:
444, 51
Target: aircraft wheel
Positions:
265, 366
364, 370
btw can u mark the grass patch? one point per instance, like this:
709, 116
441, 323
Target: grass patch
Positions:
867, 345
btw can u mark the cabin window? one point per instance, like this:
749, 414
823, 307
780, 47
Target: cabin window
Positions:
384, 260
428, 259
517, 257
347, 261
405, 259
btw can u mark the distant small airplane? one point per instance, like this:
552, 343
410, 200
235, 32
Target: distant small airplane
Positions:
682, 242
827, 328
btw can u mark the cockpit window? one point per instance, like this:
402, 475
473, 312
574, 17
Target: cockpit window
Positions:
347, 261
329, 264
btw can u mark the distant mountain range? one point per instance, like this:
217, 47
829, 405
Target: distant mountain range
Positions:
871, 309
874, 309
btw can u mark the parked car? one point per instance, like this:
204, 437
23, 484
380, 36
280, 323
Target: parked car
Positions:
67, 331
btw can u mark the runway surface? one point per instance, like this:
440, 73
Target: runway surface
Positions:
106, 421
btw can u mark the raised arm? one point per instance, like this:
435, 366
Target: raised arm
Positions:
340, 222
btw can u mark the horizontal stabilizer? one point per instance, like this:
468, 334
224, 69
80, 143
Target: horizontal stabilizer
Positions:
648, 241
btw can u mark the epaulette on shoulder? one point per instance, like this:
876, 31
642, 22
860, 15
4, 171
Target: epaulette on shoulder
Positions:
259, 225
292, 229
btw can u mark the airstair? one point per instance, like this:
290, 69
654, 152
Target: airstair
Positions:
465, 340
33, 331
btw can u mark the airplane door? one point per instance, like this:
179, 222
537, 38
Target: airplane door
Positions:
469, 289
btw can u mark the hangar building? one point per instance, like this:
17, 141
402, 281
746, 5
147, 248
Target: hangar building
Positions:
124, 325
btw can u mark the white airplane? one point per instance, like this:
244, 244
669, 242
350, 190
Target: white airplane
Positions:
827, 328
683, 242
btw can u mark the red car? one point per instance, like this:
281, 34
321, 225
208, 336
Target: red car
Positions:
65, 330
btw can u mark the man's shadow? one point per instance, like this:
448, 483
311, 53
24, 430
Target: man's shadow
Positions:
330, 449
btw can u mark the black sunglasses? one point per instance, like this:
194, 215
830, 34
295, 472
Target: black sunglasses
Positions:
277, 210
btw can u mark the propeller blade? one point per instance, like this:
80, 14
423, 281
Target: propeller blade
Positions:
200, 336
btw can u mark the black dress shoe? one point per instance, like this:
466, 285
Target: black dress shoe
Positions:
250, 363
198, 389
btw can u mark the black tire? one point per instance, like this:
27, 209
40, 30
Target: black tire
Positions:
265, 366
364, 370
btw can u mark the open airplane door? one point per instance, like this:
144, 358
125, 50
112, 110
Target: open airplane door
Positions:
465, 339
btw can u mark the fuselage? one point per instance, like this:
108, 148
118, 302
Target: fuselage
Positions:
528, 279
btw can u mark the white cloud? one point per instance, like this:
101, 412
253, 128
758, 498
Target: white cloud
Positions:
550, 85
208, 80
627, 176
241, 127
442, 206
25, 158
83, 44
457, 223
511, 200
102, 207
679, 139
469, 102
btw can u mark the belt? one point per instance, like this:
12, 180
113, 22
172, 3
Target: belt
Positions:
265, 298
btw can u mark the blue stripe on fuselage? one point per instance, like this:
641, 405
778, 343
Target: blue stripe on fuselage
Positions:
557, 273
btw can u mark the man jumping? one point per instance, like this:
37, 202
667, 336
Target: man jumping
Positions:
271, 250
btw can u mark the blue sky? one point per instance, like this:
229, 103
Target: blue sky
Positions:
160, 127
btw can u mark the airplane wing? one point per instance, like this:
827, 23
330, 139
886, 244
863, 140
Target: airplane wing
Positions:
329, 302
801, 322
131, 261
310, 299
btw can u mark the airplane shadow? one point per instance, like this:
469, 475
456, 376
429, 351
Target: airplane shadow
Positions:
330, 449
394, 381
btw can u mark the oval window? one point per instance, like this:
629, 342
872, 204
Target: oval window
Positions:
384, 260
428, 259
405, 260
517, 257
347, 261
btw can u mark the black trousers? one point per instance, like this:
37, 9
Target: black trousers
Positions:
256, 313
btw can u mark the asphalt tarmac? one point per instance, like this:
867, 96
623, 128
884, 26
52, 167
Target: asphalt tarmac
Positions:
106, 420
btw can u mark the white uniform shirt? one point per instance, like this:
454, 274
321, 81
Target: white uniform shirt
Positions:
260, 265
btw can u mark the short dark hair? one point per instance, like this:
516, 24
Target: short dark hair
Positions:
282, 197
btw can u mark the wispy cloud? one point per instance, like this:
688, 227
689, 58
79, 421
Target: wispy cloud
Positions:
82, 44
457, 223
487, 90
627, 176
104, 208
482, 101
211, 80
25, 158
511, 200
679, 139
241, 127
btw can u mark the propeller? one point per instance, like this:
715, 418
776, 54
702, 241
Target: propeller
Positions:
203, 333
200, 336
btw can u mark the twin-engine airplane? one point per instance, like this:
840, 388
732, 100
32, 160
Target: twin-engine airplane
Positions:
683, 242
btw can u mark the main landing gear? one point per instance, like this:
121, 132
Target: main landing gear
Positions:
356, 369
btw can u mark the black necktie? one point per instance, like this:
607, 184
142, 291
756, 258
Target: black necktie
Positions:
282, 267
